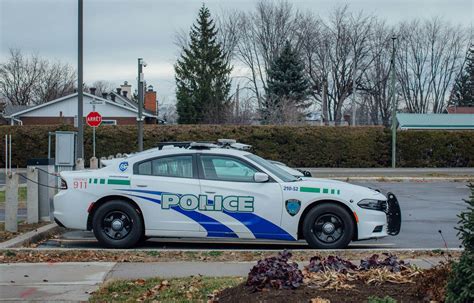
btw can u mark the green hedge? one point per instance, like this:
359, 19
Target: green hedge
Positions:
301, 146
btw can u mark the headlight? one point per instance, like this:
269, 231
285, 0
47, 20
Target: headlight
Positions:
373, 204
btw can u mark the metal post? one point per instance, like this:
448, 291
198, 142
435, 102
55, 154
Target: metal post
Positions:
6, 155
10, 152
80, 125
93, 135
394, 106
140, 104
354, 94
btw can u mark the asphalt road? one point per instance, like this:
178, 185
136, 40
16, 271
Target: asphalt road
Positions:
427, 208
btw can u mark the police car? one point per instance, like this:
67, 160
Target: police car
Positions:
206, 190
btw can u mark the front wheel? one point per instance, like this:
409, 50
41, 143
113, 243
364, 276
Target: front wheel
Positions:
117, 224
328, 226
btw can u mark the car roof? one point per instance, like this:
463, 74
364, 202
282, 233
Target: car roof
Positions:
168, 151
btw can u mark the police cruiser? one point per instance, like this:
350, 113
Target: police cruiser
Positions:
206, 190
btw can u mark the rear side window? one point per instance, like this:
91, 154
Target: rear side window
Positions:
174, 166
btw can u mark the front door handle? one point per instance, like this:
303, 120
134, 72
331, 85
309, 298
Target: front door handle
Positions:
210, 192
142, 185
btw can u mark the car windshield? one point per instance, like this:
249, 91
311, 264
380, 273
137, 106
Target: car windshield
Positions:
280, 173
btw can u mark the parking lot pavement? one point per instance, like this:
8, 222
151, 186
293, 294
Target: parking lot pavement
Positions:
47, 282
427, 208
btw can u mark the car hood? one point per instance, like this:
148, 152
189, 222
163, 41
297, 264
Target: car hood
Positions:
357, 192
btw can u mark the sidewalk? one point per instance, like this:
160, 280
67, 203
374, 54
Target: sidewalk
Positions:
76, 280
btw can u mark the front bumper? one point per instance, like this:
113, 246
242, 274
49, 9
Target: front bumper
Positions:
394, 215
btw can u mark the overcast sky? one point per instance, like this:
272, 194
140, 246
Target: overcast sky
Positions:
117, 32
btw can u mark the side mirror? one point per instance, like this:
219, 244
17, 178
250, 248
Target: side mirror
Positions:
260, 177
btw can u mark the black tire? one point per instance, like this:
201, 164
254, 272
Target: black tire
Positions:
117, 224
317, 227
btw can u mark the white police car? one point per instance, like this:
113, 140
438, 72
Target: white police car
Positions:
218, 191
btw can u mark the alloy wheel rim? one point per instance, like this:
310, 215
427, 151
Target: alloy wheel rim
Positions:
328, 228
116, 225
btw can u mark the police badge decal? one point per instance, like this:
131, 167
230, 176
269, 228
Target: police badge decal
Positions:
292, 206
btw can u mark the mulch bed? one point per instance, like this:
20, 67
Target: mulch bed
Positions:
110, 255
22, 228
360, 293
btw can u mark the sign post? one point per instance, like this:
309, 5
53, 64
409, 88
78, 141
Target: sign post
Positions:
93, 119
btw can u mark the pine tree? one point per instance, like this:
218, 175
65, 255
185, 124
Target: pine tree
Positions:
202, 75
287, 88
463, 89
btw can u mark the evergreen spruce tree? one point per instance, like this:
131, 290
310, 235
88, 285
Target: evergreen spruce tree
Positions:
287, 88
463, 89
202, 75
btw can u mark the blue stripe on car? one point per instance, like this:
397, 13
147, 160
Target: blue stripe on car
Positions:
260, 227
213, 227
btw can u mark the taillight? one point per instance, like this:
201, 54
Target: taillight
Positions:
63, 184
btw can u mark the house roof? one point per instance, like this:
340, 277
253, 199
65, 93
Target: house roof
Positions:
131, 103
435, 121
32, 108
460, 110
10, 109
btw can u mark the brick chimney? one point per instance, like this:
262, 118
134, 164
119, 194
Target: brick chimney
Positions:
150, 100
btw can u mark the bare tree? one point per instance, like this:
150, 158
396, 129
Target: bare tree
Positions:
429, 55
34, 80
103, 86
375, 78
262, 34
19, 77
57, 80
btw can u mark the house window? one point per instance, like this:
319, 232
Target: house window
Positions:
109, 122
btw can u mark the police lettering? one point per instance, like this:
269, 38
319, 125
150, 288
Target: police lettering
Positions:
201, 202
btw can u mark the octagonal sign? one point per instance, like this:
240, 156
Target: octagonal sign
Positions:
93, 119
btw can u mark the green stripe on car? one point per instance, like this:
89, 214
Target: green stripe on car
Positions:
118, 182
318, 190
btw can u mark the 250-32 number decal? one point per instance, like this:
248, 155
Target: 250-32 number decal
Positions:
290, 188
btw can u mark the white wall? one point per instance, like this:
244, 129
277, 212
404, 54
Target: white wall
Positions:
68, 108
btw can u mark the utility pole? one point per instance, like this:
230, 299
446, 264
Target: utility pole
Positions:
140, 104
80, 124
354, 93
394, 106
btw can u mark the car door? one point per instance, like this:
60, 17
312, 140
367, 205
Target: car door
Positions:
159, 184
237, 205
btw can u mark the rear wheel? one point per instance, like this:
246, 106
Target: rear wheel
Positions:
328, 226
117, 224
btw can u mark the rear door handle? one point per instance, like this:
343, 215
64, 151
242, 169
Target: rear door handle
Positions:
142, 185
210, 192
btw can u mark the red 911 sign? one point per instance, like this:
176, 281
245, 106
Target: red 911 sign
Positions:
94, 119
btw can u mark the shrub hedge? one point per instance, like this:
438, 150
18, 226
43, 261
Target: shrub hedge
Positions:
300, 146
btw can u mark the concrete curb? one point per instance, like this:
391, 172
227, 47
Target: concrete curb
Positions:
31, 236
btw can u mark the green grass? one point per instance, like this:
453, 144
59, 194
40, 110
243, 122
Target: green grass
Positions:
21, 195
386, 299
191, 289
215, 253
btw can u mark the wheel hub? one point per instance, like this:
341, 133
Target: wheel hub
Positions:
117, 225
328, 228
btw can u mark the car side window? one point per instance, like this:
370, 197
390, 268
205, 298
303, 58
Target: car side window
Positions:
174, 166
226, 169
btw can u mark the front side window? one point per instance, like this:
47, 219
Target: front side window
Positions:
175, 166
226, 169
